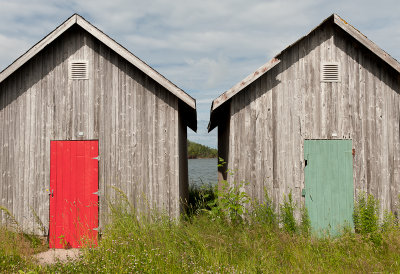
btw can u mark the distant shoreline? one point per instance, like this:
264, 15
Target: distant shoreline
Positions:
199, 151
195, 158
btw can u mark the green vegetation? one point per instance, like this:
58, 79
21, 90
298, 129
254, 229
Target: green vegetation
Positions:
224, 231
287, 214
16, 249
196, 150
366, 214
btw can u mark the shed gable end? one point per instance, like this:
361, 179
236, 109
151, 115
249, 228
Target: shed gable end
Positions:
262, 137
135, 119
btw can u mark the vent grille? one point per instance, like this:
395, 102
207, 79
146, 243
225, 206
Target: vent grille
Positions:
78, 70
330, 72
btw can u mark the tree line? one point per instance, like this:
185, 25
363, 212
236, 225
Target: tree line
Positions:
196, 150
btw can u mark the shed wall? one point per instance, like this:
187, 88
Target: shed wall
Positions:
183, 162
270, 119
135, 120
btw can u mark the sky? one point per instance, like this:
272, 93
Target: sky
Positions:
204, 47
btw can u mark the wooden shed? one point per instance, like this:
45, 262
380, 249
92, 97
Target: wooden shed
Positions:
80, 114
321, 119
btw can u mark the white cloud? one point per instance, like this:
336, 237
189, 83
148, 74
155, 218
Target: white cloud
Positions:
11, 48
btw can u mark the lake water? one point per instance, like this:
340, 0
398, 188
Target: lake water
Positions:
203, 171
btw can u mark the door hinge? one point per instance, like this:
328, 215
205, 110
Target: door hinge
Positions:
303, 192
96, 158
96, 193
96, 229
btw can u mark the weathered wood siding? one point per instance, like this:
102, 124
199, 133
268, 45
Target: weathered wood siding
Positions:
135, 120
269, 120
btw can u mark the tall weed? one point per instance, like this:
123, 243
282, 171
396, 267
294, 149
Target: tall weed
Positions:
264, 213
287, 214
231, 201
200, 198
305, 222
10, 218
366, 214
389, 222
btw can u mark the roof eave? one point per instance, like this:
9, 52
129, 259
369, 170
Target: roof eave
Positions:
226, 96
361, 38
213, 120
189, 115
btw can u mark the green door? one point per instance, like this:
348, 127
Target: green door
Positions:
329, 184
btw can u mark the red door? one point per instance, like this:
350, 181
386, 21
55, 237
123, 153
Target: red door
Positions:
73, 194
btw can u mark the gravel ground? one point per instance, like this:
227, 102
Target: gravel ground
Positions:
52, 256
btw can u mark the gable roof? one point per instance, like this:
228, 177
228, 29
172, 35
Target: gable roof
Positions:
189, 102
335, 19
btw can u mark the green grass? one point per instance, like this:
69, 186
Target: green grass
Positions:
208, 241
201, 245
16, 249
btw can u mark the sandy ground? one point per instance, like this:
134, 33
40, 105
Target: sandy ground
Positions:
52, 256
